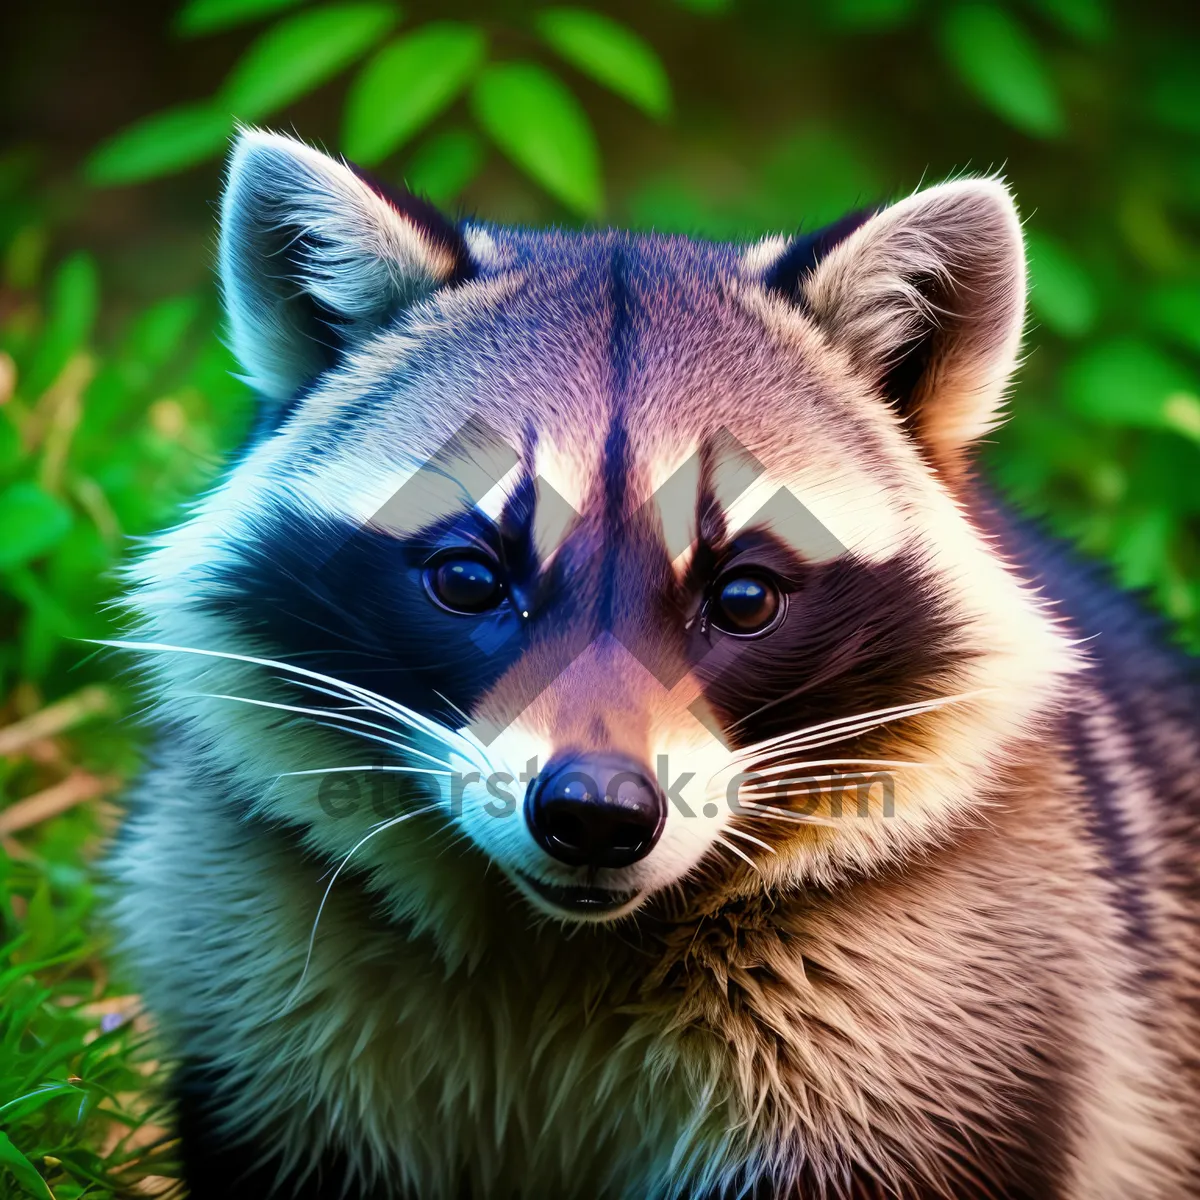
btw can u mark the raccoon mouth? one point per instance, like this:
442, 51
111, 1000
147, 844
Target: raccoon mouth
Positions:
579, 898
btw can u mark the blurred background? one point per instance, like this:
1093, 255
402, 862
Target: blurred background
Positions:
720, 118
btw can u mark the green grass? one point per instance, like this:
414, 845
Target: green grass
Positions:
94, 447
80, 1114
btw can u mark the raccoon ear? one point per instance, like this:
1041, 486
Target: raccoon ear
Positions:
313, 257
927, 297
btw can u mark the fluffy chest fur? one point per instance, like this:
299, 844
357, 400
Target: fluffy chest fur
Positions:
882, 1033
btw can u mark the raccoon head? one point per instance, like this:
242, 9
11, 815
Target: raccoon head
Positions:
635, 566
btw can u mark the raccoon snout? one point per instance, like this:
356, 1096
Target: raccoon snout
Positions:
595, 810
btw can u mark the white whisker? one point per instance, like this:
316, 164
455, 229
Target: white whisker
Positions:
364, 767
442, 696
401, 747
880, 716
790, 695
335, 714
384, 707
828, 732
312, 938
749, 837
740, 853
378, 709
769, 813
772, 781
782, 768
397, 711
304, 683
806, 743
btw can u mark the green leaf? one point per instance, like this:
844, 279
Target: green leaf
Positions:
406, 85
1142, 546
299, 54
1164, 474
610, 53
535, 119
47, 624
870, 16
23, 1106
75, 571
24, 256
159, 331
1061, 291
31, 523
445, 164
25, 1173
707, 7
999, 61
16, 170
74, 299
161, 144
11, 450
1090, 20
210, 16
817, 173
39, 922
1173, 97
1181, 412
668, 204
1174, 310
1131, 382
1040, 443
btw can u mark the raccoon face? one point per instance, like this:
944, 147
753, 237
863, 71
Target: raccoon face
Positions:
636, 566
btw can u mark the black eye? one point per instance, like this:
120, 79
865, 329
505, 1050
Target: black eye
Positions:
464, 585
745, 604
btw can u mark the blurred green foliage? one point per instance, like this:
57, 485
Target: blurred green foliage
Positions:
95, 446
710, 117
527, 111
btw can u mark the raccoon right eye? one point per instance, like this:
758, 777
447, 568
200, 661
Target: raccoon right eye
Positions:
746, 605
464, 584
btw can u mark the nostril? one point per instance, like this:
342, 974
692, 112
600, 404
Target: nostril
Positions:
564, 824
628, 836
583, 830
595, 810
633, 840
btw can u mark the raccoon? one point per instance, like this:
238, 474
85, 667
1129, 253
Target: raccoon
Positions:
610, 743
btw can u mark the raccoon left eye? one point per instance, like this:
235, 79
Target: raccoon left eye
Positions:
464, 584
746, 604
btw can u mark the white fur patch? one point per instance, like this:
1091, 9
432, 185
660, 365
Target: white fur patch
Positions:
758, 258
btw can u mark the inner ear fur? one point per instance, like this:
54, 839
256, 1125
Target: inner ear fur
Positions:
927, 299
313, 256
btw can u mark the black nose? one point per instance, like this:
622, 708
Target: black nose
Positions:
595, 810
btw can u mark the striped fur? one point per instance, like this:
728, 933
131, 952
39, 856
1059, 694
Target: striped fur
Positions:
974, 975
